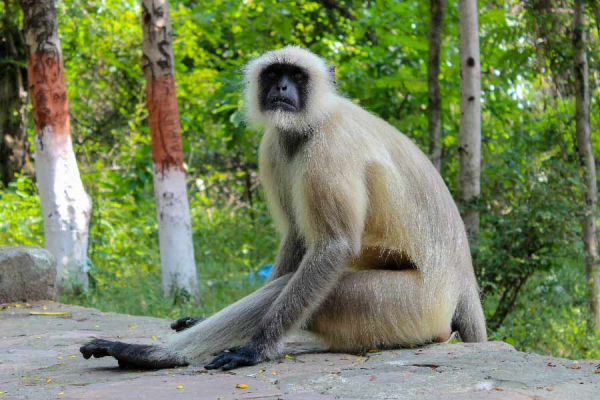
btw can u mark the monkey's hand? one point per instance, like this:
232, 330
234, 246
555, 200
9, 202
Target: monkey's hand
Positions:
234, 358
184, 323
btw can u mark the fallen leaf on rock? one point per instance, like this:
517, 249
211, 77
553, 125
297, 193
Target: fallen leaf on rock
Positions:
72, 356
50, 314
498, 389
597, 370
550, 389
551, 364
574, 367
153, 337
61, 393
133, 326
274, 373
48, 380
18, 305
179, 387
372, 378
289, 357
374, 351
241, 386
44, 307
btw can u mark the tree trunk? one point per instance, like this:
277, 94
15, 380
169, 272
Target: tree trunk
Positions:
433, 82
174, 224
588, 167
14, 148
469, 136
65, 205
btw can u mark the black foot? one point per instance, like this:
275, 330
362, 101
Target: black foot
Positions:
97, 348
184, 323
234, 358
132, 355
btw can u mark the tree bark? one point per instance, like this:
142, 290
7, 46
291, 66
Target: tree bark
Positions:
433, 82
469, 136
14, 148
588, 167
174, 223
66, 206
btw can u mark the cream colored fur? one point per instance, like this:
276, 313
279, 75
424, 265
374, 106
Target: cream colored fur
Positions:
355, 180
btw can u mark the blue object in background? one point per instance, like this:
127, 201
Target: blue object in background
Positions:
260, 273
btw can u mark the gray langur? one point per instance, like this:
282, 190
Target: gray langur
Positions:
374, 252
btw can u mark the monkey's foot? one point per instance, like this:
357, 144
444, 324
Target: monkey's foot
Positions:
131, 355
184, 323
234, 358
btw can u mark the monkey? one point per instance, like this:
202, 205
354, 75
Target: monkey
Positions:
374, 253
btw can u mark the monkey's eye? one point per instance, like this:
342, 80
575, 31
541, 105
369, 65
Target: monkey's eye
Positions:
271, 75
298, 76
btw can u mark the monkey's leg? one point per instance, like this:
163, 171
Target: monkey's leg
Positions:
382, 309
228, 328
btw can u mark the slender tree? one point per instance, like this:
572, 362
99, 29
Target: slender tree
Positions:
65, 204
588, 167
469, 136
433, 82
14, 151
174, 224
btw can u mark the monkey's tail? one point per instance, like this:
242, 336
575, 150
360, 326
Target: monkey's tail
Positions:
468, 318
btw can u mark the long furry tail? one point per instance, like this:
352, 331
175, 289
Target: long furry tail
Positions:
468, 319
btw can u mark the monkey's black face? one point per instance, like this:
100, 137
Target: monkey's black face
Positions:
283, 87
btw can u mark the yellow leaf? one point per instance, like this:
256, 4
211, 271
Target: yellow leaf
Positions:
262, 371
179, 387
374, 351
289, 357
72, 356
133, 326
50, 314
274, 373
153, 337
61, 393
45, 307
60, 357
18, 305
48, 380
241, 386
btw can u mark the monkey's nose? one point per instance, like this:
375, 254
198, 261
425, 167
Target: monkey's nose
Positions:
282, 88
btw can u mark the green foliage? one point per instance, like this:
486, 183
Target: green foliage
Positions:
529, 260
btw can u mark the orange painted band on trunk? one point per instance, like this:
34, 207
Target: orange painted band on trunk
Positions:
48, 93
163, 118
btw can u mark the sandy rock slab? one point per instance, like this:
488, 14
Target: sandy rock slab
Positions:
26, 272
39, 359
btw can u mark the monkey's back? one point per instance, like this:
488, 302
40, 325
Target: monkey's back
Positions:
408, 202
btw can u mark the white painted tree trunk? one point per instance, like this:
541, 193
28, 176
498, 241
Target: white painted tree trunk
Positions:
65, 205
433, 82
469, 137
174, 223
588, 166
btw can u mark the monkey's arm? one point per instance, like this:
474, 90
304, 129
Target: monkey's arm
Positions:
289, 257
334, 226
308, 287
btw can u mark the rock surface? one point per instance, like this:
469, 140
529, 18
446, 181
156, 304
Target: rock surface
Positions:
26, 273
39, 359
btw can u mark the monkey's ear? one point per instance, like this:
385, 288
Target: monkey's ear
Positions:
331, 69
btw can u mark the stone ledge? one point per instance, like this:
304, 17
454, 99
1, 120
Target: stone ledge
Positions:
39, 359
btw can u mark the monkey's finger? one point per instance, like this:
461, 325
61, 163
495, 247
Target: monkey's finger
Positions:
219, 361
